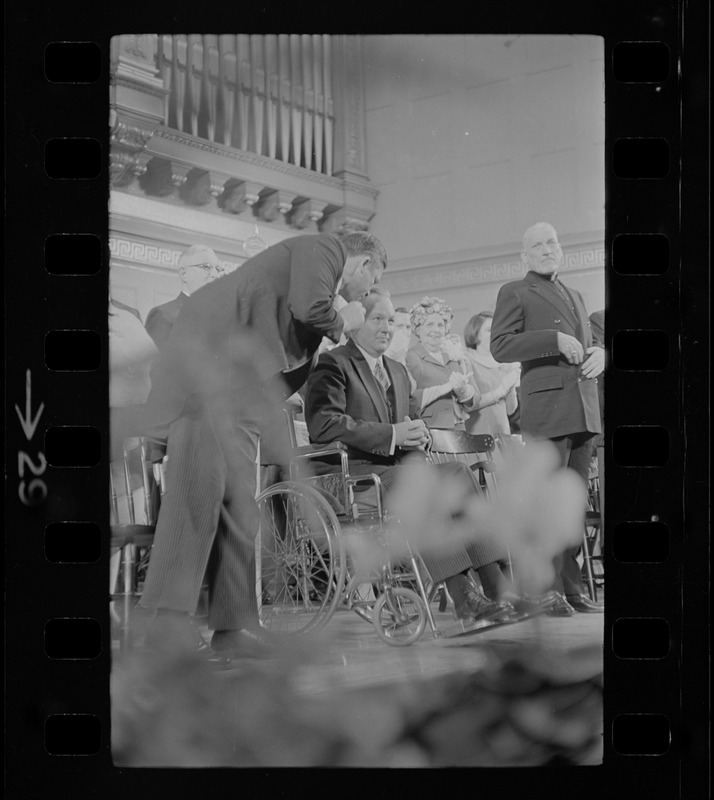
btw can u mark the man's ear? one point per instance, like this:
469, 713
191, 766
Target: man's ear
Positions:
182, 272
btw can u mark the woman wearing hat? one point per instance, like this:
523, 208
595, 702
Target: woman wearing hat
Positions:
445, 388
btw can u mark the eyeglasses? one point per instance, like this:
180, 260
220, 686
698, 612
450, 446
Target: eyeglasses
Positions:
217, 268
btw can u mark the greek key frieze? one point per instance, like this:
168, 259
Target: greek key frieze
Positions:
493, 272
152, 255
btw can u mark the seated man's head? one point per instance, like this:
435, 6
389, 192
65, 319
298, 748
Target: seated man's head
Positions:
378, 327
198, 266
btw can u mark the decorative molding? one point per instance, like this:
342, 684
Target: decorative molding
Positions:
136, 216
124, 166
274, 165
128, 143
145, 254
130, 136
248, 158
584, 259
508, 269
155, 90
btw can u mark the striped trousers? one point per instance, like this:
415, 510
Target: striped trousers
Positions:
207, 522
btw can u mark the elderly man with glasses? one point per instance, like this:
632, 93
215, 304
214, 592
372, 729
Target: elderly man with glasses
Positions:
198, 266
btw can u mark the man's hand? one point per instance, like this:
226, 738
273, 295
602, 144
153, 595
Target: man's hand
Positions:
411, 433
295, 403
352, 316
570, 347
594, 363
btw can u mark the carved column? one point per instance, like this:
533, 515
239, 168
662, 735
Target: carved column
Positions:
349, 154
137, 89
137, 104
349, 138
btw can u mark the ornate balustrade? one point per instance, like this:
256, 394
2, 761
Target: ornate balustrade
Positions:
267, 127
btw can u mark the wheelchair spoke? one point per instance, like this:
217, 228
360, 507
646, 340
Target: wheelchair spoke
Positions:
300, 559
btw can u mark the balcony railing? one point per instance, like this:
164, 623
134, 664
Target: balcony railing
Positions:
267, 94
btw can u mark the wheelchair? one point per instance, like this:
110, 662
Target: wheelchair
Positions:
304, 571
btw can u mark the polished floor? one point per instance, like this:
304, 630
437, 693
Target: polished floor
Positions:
344, 697
348, 654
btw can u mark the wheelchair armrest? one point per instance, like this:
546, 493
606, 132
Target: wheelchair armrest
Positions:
315, 450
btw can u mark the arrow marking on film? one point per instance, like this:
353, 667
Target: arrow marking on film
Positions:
29, 425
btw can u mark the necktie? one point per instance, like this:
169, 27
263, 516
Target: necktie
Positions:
381, 376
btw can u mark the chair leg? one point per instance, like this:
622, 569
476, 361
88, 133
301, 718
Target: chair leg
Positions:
424, 595
128, 566
588, 568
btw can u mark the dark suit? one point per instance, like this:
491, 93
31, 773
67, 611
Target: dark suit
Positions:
212, 387
557, 403
161, 319
345, 403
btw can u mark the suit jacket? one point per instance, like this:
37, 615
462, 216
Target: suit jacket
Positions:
345, 403
446, 411
160, 320
263, 320
555, 399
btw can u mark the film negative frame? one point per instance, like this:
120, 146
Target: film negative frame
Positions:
647, 700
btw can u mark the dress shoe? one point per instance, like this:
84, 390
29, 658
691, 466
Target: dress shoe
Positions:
509, 613
173, 633
560, 608
476, 606
582, 603
531, 606
240, 644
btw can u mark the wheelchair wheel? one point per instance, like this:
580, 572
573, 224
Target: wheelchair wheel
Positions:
399, 616
300, 561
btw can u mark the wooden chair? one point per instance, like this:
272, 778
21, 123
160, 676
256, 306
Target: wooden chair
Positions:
592, 535
132, 538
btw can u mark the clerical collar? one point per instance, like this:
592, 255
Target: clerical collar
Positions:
549, 278
371, 360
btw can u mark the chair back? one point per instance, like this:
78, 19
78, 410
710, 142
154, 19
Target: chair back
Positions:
452, 442
474, 450
135, 472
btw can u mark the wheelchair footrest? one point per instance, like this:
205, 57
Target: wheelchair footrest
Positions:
463, 628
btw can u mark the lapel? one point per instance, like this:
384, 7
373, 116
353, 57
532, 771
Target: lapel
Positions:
585, 332
400, 384
553, 298
425, 355
365, 374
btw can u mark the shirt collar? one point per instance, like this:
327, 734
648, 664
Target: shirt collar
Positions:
371, 360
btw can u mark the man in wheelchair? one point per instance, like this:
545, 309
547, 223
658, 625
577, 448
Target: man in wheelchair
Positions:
360, 397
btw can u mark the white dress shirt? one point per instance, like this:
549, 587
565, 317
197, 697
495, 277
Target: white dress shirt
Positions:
373, 361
